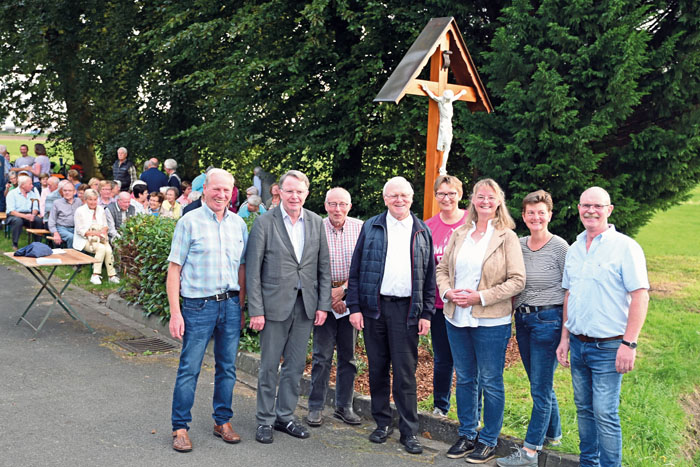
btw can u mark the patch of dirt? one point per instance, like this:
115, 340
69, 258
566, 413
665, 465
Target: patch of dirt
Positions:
691, 405
665, 289
424, 370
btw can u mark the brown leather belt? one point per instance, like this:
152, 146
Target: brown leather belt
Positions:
337, 283
596, 339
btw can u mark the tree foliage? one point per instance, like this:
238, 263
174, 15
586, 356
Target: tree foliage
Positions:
585, 92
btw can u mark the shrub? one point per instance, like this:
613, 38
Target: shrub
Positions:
143, 251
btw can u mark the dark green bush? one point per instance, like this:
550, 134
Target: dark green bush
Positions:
143, 251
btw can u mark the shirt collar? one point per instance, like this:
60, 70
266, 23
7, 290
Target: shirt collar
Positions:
489, 226
406, 223
212, 214
330, 224
286, 216
583, 236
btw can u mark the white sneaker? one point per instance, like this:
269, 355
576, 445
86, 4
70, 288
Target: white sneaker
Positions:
114, 280
439, 412
95, 279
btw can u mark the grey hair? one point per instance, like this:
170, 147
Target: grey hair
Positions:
255, 200
213, 172
397, 181
252, 190
295, 174
90, 193
170, 164
340, 189
21, 179
122, 149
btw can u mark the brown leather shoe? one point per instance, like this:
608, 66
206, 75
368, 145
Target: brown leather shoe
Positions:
226, 433
181, 441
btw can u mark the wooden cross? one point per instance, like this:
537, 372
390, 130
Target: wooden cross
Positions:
439, 39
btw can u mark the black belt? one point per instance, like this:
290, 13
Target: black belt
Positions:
391, 298
583, 338
222, 296
534, 309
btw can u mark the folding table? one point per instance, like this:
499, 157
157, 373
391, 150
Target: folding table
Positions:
71, 257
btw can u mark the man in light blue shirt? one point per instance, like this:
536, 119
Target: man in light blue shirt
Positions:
207, 269
604, 309
23, 209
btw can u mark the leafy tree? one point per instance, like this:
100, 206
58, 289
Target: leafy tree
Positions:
591, 93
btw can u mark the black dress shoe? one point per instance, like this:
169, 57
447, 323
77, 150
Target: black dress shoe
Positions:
380, 434
481, 454
264, 434
293, 428
461, 448
347, 415
411, 444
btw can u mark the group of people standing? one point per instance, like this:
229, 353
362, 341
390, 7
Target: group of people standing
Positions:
460, 275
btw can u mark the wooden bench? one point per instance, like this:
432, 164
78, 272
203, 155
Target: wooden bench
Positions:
37, 232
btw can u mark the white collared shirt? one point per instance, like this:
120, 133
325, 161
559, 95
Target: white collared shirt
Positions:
397, 266
295, 231
468, 265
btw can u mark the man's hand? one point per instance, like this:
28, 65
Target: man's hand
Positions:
337, 295
563, 353
357, 321
56, 238
339, 307
257, 323
176, 325
423, 326
624, 363
320, 317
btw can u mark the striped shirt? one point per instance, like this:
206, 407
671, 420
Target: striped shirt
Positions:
544, 269
209, 252
341, 244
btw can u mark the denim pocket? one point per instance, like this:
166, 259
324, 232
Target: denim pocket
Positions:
550, 316
193, 304
609, 345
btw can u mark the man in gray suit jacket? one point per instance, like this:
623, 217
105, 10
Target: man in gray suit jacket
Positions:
288, 279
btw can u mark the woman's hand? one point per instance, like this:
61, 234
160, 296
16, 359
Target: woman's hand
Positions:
463, 297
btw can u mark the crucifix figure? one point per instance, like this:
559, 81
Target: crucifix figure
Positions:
446, 111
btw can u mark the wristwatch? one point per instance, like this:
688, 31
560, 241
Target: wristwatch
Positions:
631, 345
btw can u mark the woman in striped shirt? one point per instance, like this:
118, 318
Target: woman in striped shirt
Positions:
538, 321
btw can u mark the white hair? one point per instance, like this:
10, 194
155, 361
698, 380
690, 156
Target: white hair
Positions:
398, 181
339, 189
170, 164
212, 172
123, 149
22, 179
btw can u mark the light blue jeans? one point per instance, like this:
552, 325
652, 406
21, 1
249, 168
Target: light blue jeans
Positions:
597, 397
204, 319
479, 356
66, 234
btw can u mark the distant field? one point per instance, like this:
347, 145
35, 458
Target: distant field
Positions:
13, 142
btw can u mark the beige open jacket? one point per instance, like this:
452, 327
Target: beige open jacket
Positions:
502, 273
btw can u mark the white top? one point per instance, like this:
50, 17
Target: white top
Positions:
84, 220
295, 231
397, 266
468, 275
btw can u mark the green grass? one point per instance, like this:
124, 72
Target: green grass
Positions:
655, 421
54, 150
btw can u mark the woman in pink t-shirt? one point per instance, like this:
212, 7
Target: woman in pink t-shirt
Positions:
448, 192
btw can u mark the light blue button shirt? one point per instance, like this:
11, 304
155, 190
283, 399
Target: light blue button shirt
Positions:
599, 282
209, 252
18, 201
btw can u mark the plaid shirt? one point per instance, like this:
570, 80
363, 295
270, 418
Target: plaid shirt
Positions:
209, 252
341, 244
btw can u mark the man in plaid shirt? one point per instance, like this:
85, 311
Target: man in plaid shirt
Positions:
342, 233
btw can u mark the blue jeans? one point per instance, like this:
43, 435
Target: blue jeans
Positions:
442, 362
204, 319
67, 234
538, 336
597, 397
479, 356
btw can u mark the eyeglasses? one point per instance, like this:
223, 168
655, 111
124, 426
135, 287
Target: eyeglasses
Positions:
451, 195
334, 205
597, 207
491, 199
294, 192
394, 197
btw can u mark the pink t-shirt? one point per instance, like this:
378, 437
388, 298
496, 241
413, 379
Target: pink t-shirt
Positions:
441, 235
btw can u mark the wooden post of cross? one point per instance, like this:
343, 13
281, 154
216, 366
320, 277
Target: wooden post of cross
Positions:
439, 36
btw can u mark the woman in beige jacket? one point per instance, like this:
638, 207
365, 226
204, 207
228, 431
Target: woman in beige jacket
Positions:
481, 270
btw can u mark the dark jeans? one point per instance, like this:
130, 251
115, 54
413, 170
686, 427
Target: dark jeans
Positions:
334, 333
16, 224
442, 362
204, 319
391, 344
538, 336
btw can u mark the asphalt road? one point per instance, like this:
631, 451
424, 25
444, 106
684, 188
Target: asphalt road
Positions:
72, 398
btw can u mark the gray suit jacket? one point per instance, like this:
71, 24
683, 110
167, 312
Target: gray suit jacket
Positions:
273, 272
